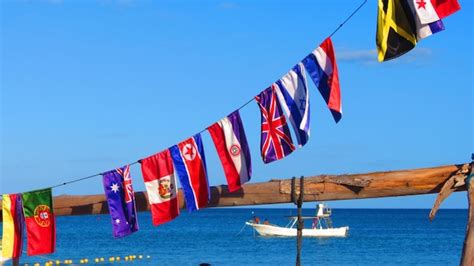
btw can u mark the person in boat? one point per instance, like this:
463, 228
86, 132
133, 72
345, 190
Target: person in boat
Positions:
255, 218
266, 222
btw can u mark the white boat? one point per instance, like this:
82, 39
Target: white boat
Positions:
321, 226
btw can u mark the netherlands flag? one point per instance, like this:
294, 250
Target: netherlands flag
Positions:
321, 66
229, 138
190, 164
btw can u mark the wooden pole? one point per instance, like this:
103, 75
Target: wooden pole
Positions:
299, 232
467, 258
317, 188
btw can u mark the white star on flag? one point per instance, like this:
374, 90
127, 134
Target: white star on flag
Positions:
117, 221
114, 187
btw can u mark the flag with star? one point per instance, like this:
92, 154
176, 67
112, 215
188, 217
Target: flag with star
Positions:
121, 201
292, 91
402, 23
275, 141
190, 164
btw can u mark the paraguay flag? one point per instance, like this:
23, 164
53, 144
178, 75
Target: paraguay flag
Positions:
229, 138
190, 164
322, 67
292, 91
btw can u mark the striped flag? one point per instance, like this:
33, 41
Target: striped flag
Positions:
430, 11
13, 223
229, 138
321, 66
161, 187
190, 164
292, 91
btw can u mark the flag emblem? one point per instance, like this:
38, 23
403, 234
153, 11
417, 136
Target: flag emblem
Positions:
165, 188
275, 142
189, 152
235, 150
41, 215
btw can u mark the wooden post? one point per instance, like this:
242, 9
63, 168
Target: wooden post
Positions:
299, 232
467, 258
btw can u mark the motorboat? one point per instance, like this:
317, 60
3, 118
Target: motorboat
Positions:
321, 226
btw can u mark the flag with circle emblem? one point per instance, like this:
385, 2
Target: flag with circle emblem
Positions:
161, 187
40, 221
190, 164
229, 138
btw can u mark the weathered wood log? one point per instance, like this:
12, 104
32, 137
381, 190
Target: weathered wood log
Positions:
455, 181
322, 187
467, 258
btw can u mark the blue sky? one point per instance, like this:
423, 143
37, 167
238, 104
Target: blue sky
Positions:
87, 86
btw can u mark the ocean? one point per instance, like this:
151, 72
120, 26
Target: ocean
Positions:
217, 236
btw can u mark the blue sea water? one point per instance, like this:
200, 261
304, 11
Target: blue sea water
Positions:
376, 237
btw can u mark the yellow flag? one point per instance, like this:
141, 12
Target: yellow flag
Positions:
396, 30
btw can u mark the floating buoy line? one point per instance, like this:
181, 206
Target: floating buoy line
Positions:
98, 260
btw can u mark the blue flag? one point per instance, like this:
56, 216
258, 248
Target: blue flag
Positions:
121, 200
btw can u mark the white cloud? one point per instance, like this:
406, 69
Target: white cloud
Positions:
228, 5
418, 54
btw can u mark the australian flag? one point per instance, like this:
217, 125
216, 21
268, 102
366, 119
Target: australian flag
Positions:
121, 200
275, 142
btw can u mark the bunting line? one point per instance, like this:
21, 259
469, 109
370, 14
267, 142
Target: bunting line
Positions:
203, 130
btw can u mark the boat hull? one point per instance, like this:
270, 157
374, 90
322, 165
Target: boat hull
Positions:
272, 230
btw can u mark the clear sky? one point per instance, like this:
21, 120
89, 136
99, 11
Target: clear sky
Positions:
88, 86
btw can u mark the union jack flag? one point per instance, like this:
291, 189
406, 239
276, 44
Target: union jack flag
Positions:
127, 183
275, 142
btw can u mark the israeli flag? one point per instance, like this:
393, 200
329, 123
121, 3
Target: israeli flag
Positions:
293, 94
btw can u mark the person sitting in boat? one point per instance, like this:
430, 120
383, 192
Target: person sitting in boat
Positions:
255, 218
266, 222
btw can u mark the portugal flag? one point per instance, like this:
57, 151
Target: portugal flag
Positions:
40, 224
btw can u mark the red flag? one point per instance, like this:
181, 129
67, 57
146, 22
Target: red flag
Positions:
231, 144
160, 183
445, 8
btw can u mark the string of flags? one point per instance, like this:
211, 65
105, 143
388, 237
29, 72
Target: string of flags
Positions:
400, 24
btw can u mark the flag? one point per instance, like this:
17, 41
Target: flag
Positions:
161, 187
231, 144
13, 223
121, 201
396, 29
40, 221
401, 23
190, 164
322, 67
292, 91
423, 29
430, 11
275, 141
